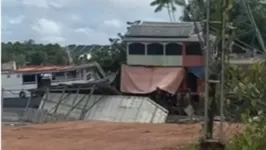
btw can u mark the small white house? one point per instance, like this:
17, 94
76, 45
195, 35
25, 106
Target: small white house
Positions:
16, 85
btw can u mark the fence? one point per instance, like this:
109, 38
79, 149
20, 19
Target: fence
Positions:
67, 106
54, 107
17, 110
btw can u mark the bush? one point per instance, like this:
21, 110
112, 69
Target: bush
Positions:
248, 86
253, 137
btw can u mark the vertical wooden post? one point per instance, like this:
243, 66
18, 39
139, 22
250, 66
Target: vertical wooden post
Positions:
77, 94
26, 111
83, 112
45, 98
60, 100
2, 99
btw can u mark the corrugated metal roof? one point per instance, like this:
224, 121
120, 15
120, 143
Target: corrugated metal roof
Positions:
43, 68
167, 23
49, 69
161, 29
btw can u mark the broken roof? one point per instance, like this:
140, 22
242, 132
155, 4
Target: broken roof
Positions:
162, 30
54, 69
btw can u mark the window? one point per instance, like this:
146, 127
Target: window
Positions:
136, 49
193, 49
173, 49
58, 76
29, 78
72, 74
155, 49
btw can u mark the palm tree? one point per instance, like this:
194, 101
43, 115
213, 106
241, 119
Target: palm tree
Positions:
170, 5
173, 4
160, 5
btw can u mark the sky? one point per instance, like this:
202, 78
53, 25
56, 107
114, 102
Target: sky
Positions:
73, 21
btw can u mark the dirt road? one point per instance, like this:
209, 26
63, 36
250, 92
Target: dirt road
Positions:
100, 136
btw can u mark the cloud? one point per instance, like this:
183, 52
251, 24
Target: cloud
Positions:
49, 30
93, 36
9, 2
56, 4
46, 3
16, 20
83, 30
6, 32
113, 23
132, 3
46, 27
73, 21
53, 39
75, 18
36, 3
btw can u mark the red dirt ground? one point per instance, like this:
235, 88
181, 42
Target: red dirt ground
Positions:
102, 136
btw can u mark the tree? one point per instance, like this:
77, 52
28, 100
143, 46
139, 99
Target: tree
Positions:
30, 53
247, 91
244, 30
38, 58
170, 5
113, 57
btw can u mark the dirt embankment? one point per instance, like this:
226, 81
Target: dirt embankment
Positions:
101, 136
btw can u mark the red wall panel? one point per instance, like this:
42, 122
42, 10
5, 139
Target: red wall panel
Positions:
193, 61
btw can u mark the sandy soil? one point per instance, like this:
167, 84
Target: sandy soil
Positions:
102, 136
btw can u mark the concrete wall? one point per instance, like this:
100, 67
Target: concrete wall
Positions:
31, 115
21, 103
12, 114
106, 108
155, 60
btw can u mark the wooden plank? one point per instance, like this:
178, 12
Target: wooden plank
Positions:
83, 112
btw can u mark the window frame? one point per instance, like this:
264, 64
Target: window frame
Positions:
29, 82
141, 49
194, 53
153, 51
178, 52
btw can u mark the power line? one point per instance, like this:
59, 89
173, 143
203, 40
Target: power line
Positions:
252, 20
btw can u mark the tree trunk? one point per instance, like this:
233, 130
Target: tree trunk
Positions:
173, 11
169, 12
212, 108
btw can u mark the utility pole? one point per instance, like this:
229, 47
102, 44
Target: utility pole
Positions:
226, 39
206, 90
211, 80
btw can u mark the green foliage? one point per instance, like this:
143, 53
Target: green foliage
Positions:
253, 137
30, 53
109, 59
170, 5
238, 16
249, 86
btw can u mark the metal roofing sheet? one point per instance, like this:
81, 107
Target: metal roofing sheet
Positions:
43, 68
46, 69
161, 29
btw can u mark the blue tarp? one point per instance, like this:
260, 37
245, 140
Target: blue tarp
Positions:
197, 71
